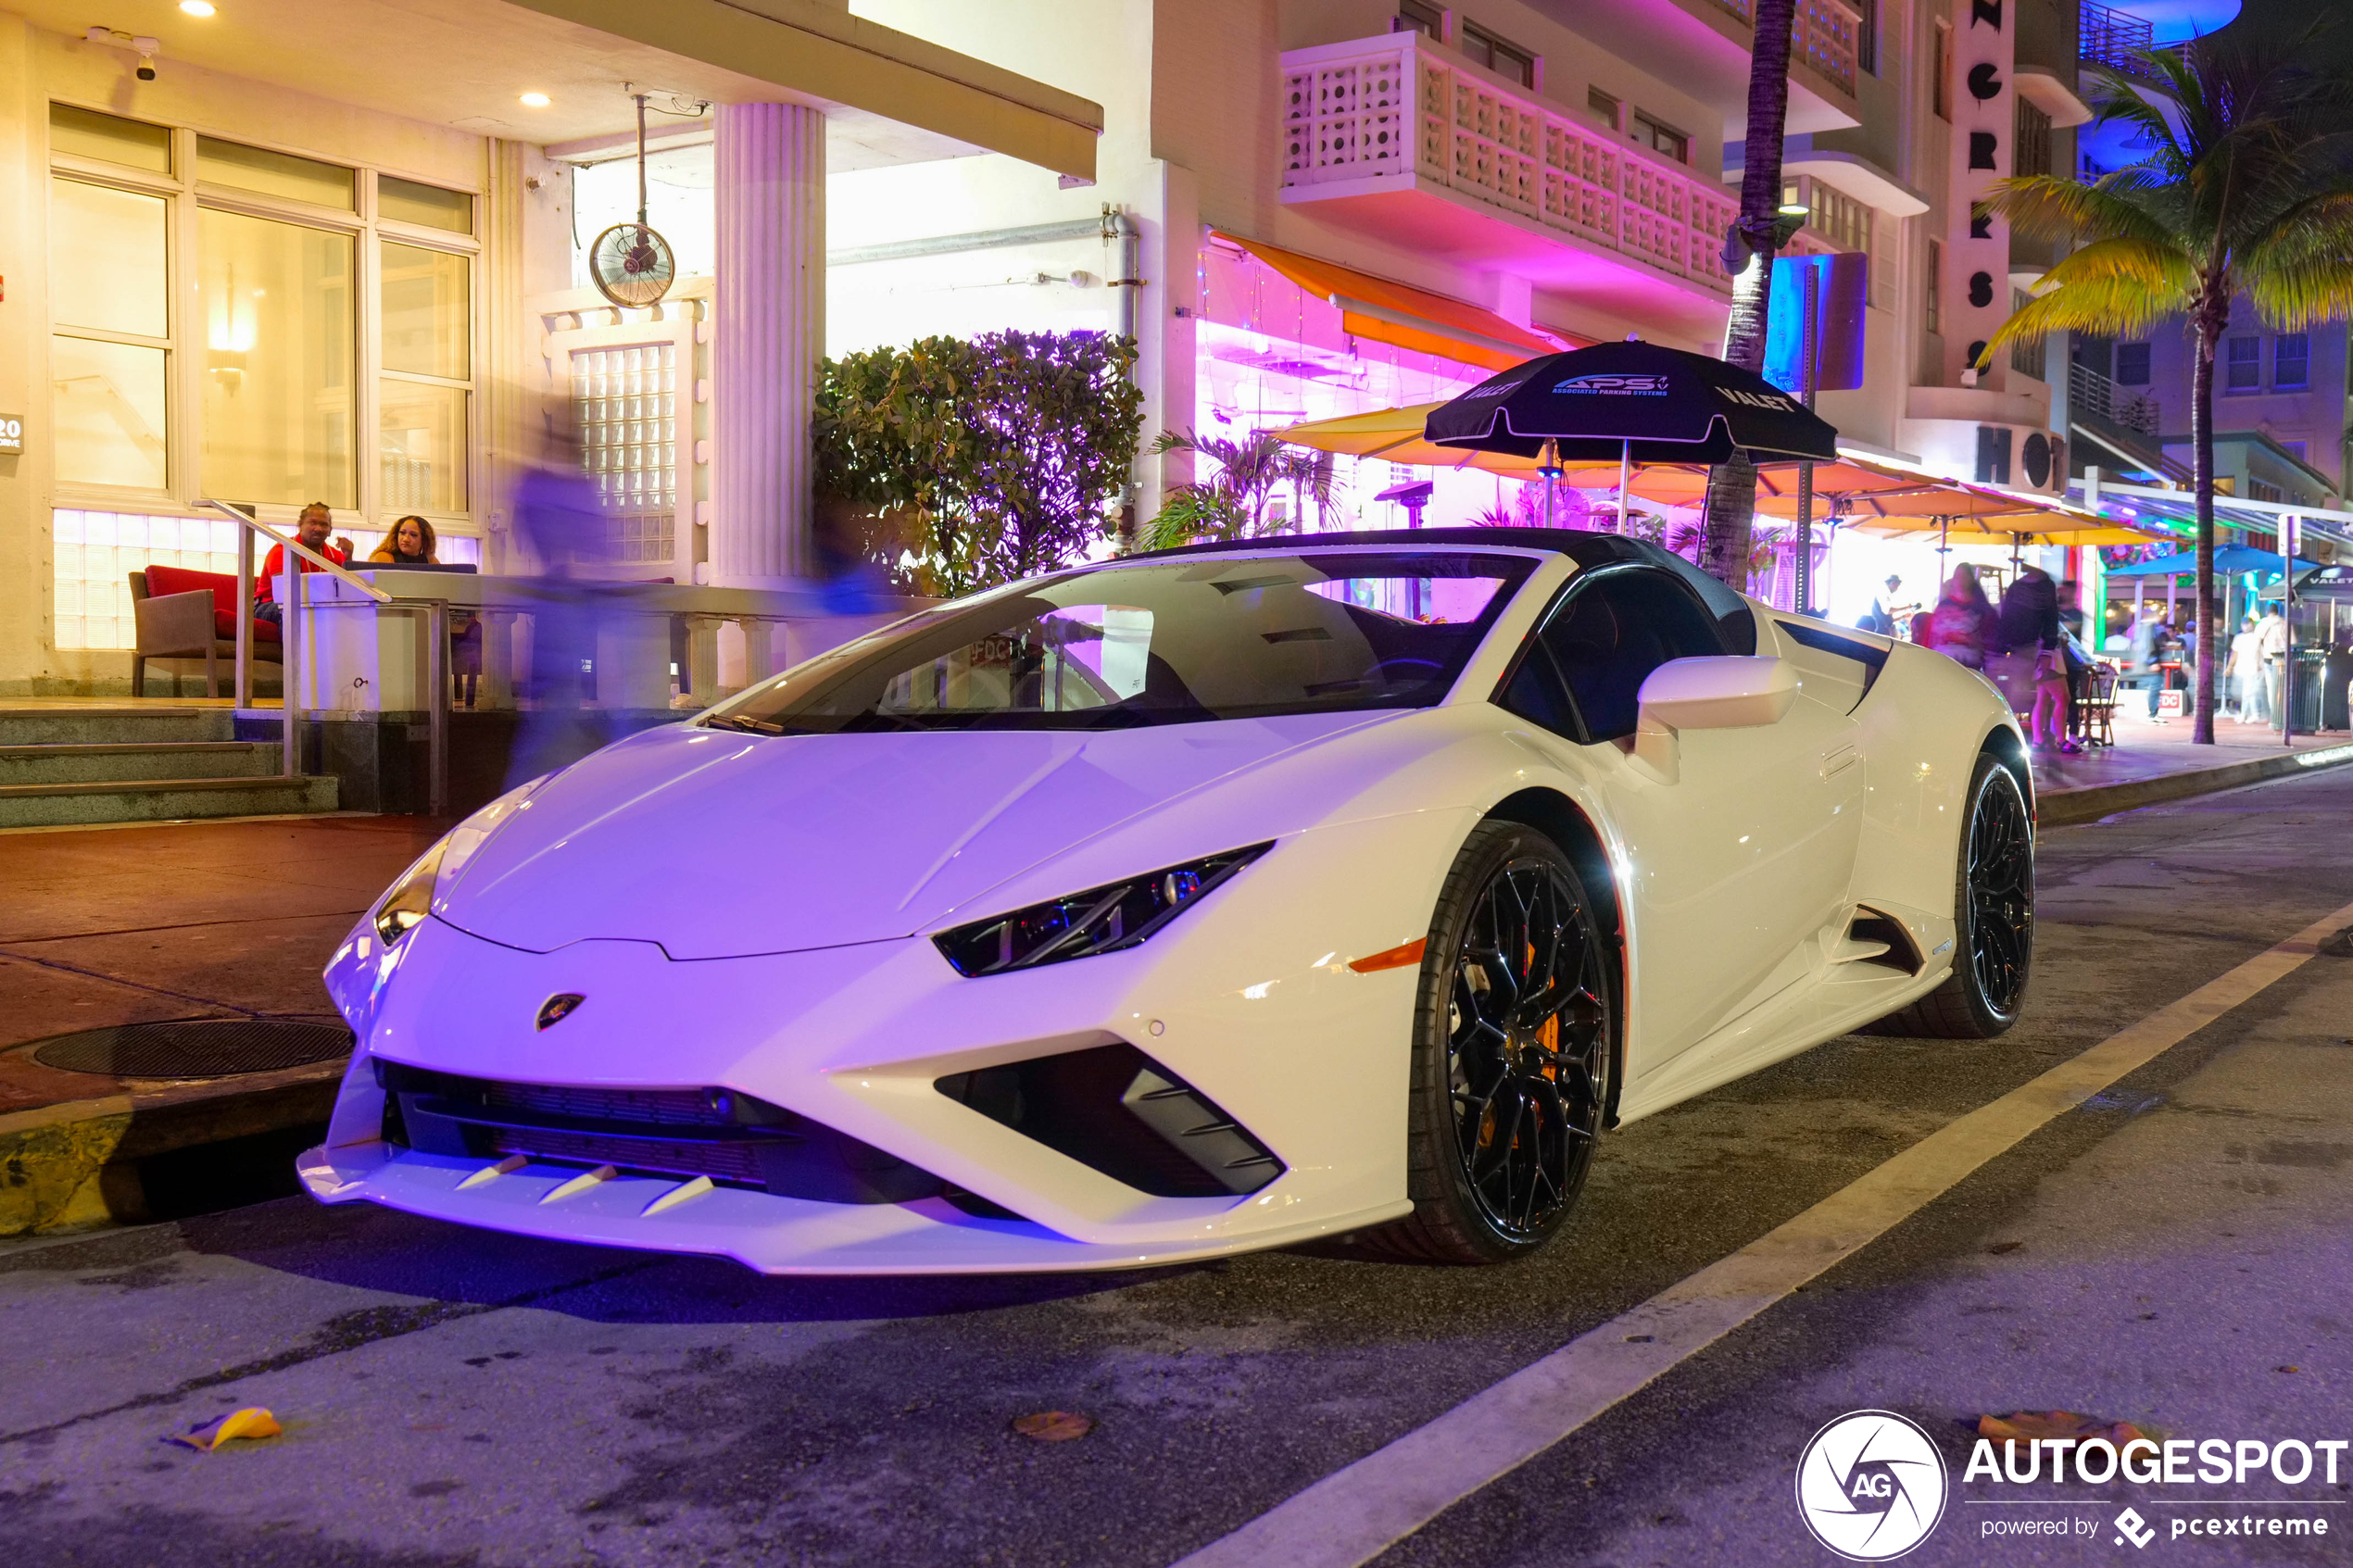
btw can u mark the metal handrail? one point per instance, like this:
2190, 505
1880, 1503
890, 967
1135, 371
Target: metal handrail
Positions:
291, 633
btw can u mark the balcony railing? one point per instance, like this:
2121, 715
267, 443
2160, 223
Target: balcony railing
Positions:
1397, 105
2107, 36
1825, 35
2092, 396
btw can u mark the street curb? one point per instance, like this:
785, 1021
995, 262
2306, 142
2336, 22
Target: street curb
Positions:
74, 1165
2089, 803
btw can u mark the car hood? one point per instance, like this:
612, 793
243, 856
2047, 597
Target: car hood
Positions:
717, 845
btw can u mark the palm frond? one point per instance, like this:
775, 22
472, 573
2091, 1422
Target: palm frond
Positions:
2114, 288
2052, 206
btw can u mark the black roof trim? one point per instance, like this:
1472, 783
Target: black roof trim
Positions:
1584, 547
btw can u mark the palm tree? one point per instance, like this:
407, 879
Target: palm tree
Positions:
2246, 186
1748, 253
1231, 503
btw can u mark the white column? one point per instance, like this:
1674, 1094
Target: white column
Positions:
768, 329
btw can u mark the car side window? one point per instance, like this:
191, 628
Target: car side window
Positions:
1585, 665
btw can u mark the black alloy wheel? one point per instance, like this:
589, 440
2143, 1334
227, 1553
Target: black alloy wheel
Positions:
1992, 919
1516, 1040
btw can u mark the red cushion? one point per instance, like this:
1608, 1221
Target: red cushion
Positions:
163, 579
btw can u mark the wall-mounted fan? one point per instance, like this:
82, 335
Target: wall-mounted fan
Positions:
632, 265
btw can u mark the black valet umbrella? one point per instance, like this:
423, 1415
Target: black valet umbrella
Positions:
1633, 401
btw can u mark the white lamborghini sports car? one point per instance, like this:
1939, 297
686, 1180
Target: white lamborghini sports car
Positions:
1188, 903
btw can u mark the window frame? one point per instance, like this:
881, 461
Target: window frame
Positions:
2303, 380
1646, 128
1932, 290
1421, 16
1469, 33
1940, 67
1582, 580
185, 198
2252, 362
1614, 115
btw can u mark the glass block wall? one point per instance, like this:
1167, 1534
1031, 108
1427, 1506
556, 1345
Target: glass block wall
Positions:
97, 552
628, 401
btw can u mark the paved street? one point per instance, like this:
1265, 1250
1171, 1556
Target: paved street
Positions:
2173, 1254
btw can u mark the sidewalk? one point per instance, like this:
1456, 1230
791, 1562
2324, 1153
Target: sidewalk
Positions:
2153, 762
104, 926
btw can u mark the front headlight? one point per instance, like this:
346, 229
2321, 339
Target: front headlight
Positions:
411, 898
1101, 920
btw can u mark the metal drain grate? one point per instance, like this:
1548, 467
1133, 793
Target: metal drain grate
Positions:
196, 1047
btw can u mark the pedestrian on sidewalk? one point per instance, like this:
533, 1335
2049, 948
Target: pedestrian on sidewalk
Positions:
310, 530
2270, 653
1963, 619
2238, 673
2025, 661
2075, 656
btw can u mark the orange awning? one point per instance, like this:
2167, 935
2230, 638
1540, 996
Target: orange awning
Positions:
1405, 317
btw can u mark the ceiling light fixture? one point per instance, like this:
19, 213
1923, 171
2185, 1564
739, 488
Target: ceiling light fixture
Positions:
198, 7
534, 100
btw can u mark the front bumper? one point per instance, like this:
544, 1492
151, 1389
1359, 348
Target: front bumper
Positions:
1250, 1000
779, 1236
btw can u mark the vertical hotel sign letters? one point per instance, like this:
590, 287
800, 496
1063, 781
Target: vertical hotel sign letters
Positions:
1978, 292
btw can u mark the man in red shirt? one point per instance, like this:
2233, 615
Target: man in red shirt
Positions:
311, 528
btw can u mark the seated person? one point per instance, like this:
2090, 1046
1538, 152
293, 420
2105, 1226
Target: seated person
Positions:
312, 530
410, 543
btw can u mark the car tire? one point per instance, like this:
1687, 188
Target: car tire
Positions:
1532, 1068
1992, 919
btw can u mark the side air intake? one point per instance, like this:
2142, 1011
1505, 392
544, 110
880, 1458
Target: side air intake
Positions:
1116, 1110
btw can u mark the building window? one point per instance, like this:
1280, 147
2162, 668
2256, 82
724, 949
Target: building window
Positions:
2026, 352
1940, 82
257, 376
1933, 297
422, 394
405, 201
2264, 490
2131, 364
111, 359
1866, 39
2243, 367
2293, 449
110, 139
279, 318
2292, 360
1482, 47
2031, 150
1838, 217
263, 173
1602, 104
1660, 138
1416, 16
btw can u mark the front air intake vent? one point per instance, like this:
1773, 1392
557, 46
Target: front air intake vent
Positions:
1116, 1110
731, 1137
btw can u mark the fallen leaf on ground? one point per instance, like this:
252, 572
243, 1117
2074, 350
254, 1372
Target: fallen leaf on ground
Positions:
2001, 1247
1054, 1427
253, 1422
2027, 1424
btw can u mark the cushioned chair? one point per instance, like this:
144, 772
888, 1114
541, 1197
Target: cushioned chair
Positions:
184, 614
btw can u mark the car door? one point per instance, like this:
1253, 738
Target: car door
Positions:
1741, 860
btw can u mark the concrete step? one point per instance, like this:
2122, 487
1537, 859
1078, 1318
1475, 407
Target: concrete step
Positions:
114, 726
57, 763
152, 800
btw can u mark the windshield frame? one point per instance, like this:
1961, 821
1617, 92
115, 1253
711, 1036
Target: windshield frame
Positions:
1518, 566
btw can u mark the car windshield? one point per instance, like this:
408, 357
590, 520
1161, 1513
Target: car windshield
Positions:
1170, 640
